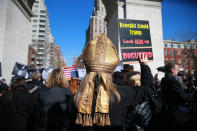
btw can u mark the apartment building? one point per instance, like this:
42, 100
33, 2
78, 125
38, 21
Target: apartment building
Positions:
183, 53
42, 39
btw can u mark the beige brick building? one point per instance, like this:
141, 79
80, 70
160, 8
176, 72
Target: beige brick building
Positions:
97, 24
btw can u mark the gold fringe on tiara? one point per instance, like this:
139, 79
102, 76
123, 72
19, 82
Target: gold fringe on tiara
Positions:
79, 119
99, 119
84, 119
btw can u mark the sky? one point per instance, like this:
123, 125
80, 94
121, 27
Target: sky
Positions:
69, 20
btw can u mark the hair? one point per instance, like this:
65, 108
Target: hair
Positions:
128, 67
3, 81
169, 66
113, 93
118, 78
135, 80
36, 75
132, 79
56, 78
16, 84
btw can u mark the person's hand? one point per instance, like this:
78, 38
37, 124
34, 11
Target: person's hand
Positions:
143, 59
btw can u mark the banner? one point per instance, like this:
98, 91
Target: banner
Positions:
82, 73
134, 38
45, 73
20, 70
133, 54
134, 33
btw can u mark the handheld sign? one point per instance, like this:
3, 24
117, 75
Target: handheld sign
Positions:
134, 39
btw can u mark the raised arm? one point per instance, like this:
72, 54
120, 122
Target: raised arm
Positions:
146, 75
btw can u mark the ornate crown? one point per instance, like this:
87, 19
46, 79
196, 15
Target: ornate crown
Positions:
100, 55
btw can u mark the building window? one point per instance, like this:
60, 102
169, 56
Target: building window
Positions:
165, 45
185, 53
166, 53
34, 20
179, 53
36, 6
33, 40
41, 31
166, 61
179, 61
33, 30
172, 52
172, 45
42, 16
192, 63
42, 11
42, 21
179, 46
186, 62
42, 26
35, 11
36, 2
34, 36
41, 36
34, 25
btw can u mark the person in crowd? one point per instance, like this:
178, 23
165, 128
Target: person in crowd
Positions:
118, 78
156, 82
54, 115
35, 84
141, 113
3, 87
127, 68
74, 85
173, 94
16, 106
190, 87
34, 87
99, 105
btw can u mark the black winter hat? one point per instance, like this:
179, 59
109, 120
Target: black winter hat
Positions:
16, 77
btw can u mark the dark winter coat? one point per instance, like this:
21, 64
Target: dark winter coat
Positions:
54, 114
176, 99
34, 83
173, 93
35, 86
15, 110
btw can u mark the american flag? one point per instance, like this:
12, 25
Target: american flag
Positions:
71, 71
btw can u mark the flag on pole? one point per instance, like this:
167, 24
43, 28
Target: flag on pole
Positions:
71, 72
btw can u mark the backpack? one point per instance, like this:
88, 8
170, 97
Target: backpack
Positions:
137, 117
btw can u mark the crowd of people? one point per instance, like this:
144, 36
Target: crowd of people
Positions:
103, 101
